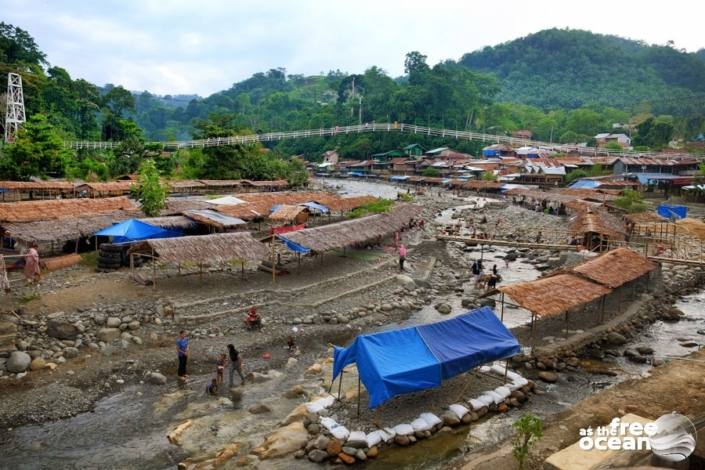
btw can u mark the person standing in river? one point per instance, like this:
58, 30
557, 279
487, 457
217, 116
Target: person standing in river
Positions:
402, 256
235, 365
182, 349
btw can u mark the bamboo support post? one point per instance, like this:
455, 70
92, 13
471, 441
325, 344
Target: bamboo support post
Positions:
358, 394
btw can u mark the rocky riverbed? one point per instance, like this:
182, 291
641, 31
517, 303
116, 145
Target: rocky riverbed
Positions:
98, 342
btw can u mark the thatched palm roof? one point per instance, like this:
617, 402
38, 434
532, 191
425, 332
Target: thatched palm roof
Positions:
615, 268
598, 221
554, 295
287, 212
67, 229
220, 248
54, 209
352, 232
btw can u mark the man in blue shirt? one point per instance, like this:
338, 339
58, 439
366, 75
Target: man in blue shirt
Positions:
182, 351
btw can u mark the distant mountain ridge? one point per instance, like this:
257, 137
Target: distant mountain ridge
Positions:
564, 68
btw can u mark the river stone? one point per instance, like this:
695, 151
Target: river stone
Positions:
156, 378
315, 369
406, 281
38, 363
616, 339
373, 452
283, 441
403, 440
450, 419
18, 362
294, 392
259, 408
61, 329
134, 325
113, 322
689, 344
443, 309
108, 335
547, 376
321, 442
334, 447
71, 352
360, 455
317, 455
346, 459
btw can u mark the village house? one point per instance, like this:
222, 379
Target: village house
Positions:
607, 138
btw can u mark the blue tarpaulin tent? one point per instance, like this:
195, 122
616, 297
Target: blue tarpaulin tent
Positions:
672, 212
401, 361
316, 207
133, 230
584, 184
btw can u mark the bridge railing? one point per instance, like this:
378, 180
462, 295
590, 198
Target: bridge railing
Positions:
374, 127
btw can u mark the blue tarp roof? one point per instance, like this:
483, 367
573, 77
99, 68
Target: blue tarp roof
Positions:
584, 184
295, 247
357, 173
644, 178
398, 178
672, 212
133, 229
401, 361
316, 207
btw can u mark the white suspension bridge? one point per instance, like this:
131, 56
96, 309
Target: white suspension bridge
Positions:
372, 128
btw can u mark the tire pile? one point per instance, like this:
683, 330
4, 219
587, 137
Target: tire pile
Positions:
113, 257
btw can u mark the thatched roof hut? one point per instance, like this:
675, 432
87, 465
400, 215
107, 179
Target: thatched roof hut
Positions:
214, 219
170, 222
215, 249
599, 222
289, 213
55, 209
554, 295
355, 231
112, 188
615, 268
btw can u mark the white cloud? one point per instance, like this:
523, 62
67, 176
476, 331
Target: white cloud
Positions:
186, 46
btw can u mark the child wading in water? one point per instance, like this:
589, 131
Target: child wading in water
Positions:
220, 368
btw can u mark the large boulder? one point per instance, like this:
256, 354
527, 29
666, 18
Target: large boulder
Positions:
61, 329
616, 339
547, 376
406, 281
18, 362
283, 441
113, 322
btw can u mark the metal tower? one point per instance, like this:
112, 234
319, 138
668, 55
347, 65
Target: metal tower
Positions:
14, 117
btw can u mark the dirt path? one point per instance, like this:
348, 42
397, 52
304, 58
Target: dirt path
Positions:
676, 386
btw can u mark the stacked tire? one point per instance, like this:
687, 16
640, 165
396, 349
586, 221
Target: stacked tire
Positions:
109, 258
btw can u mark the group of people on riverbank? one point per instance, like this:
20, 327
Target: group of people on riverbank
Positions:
230, 360
485, 280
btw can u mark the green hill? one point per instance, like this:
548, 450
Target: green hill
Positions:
563, 68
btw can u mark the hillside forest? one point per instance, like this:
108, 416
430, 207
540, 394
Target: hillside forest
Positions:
596, 82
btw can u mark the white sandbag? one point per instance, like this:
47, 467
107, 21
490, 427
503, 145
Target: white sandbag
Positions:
486, 399
504, 392
375, 437
476, 404
403, 429
498, 369
458, 410
513, 386
431, 419
521, 381
357, 439
328, 423
497, 398
485, 369
420, 424
340, 432
390, 433
511, 375
320, 404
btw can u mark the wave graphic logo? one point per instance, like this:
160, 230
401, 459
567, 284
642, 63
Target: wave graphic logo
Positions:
675, 437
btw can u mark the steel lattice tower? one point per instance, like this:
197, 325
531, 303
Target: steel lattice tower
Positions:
14, 117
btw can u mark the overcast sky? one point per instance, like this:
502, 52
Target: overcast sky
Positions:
187, 46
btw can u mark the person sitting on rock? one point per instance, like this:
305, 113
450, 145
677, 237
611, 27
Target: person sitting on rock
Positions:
212, 388
253, 321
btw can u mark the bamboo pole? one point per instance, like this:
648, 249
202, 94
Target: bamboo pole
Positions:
154, 271
358, 394
501, 315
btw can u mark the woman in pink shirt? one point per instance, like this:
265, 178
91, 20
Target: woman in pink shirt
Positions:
402, 256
